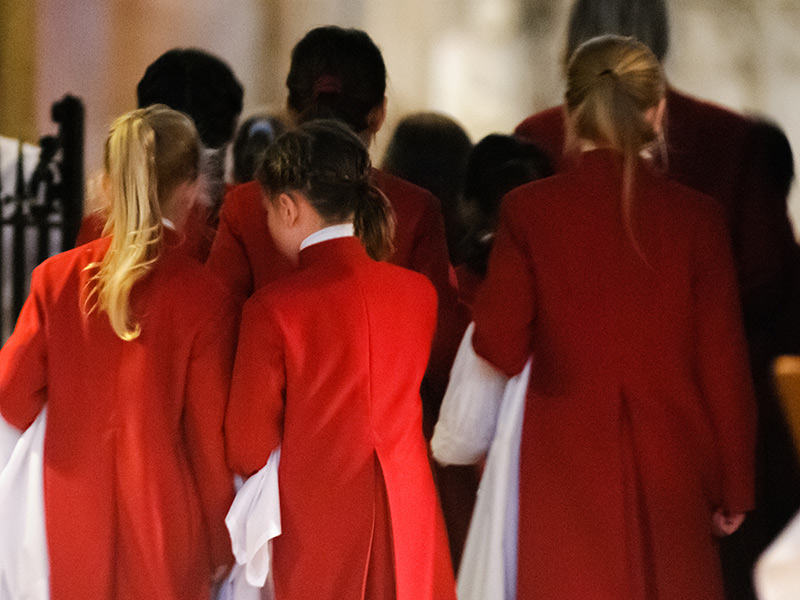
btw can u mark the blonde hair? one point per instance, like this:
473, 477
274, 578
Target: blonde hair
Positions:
612, 82
148, 153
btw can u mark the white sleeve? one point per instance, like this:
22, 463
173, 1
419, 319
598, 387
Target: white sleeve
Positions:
468, 416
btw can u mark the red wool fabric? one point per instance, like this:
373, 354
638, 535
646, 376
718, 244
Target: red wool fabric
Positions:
136, 486
329, 365
640, 415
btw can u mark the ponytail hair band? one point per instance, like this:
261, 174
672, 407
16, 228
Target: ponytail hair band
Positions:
326, 84
606, 73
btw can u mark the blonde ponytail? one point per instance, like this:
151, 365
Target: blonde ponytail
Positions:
148, 152
612, 83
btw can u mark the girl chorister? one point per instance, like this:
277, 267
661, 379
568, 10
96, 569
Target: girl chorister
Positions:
129, 343
638, 433
329, 365
338, 73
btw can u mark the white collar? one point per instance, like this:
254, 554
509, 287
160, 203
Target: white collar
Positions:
328, 233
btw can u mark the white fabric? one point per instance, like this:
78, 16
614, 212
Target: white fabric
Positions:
253, 520
328, 233
471, 404
9, 436
489, 564
24, 564
235, 587
777, 573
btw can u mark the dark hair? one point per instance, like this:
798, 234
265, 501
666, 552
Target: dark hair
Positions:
336, 73
198, 84
429, 150
255, 134
645, 20
773, 155
330, 165
496, 165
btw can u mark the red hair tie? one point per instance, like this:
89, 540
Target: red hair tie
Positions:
326, 84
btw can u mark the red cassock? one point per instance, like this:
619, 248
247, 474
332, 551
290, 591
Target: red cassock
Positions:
244, 255
329, 365
136, 487
640, 416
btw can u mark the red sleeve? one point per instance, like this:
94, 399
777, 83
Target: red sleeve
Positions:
23, 363
228, 257
505, 306
254, 420
208, 386
723, 367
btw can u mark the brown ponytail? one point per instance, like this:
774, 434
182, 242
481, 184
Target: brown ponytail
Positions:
373, 219
330, 165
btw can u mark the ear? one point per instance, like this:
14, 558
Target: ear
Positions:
655, 115
288, 209
376, 117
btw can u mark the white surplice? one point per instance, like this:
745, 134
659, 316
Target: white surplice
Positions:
9, 436
253, 520
777, 573
24, 564
480, 398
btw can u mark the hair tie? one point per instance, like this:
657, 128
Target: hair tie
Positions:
326, 84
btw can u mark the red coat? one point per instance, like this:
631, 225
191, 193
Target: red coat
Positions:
640, 417
744, 164
135, 480
244, 255
329, 364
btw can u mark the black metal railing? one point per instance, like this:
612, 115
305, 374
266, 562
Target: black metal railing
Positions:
43, 215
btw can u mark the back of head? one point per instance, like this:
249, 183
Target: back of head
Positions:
198, 84
645, 20
612, 82
255, 134
497, 165
336, 73
149, 153
429, 150
330, 165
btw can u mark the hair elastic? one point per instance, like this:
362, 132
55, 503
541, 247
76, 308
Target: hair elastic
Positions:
326, 84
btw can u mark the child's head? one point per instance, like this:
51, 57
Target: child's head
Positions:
614, 88
198, 84
151, 164
324, 166
496, 165
255, 134
338, 73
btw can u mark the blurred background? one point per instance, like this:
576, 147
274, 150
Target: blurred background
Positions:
488, 63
